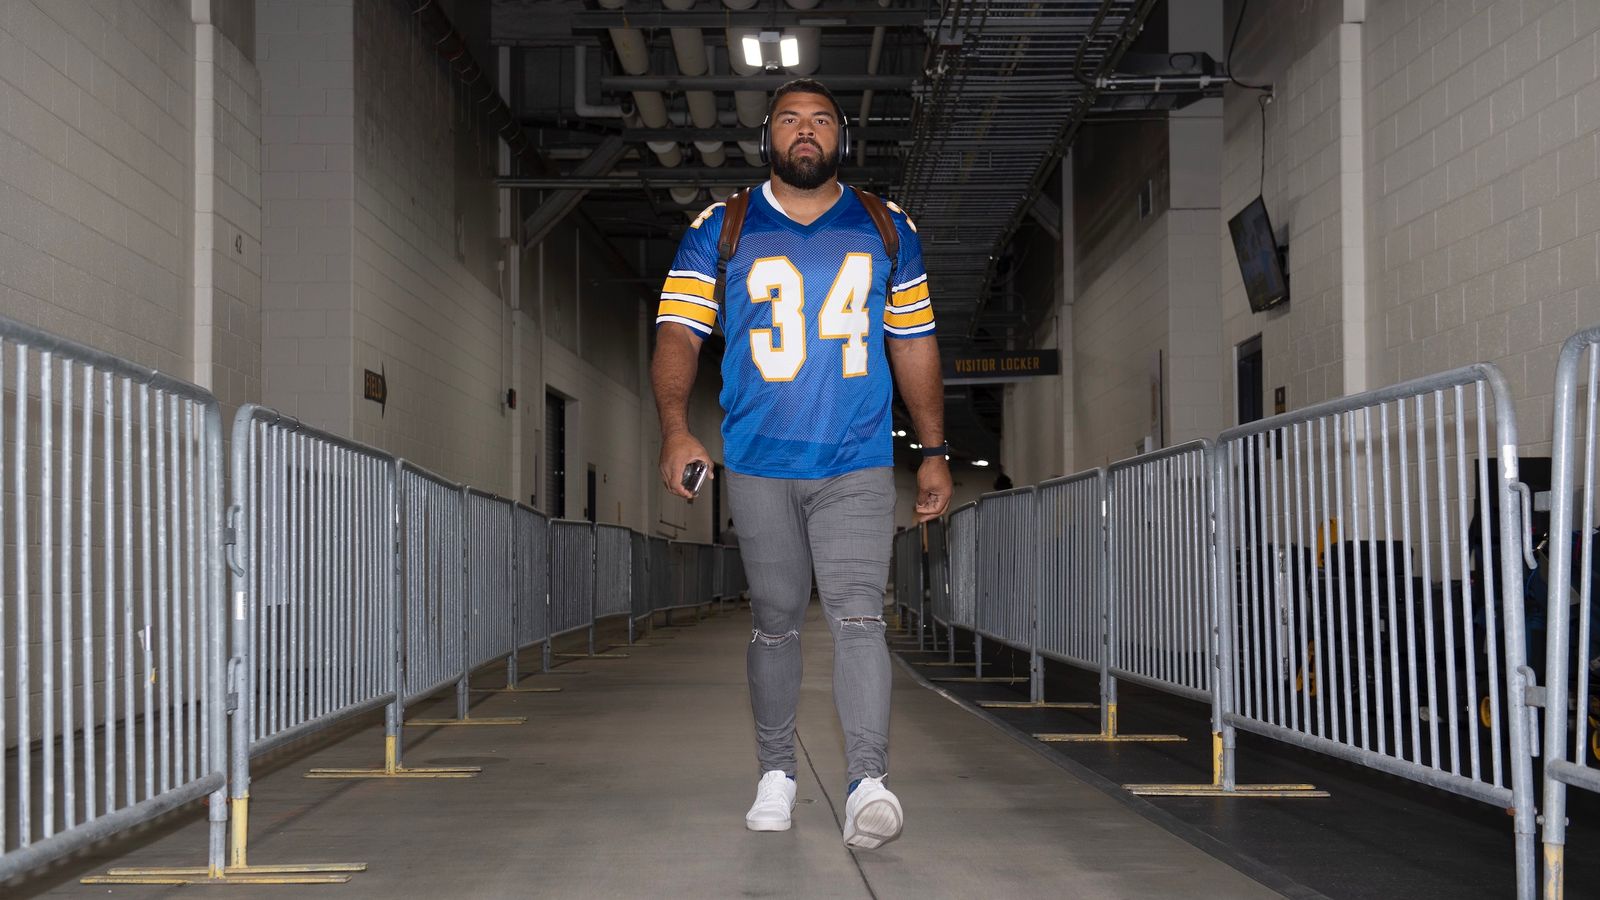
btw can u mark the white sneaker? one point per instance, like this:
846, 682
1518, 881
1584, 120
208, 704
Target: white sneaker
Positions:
774, 802
872, 816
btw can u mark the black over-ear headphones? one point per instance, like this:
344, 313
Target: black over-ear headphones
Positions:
844, 135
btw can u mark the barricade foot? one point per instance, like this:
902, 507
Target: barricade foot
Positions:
984, 680
1037, 704
1097, 738
1279, 791
517, 690
308, 873
488, 720
400, 772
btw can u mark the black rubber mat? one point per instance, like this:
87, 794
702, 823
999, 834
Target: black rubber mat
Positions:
1376, 836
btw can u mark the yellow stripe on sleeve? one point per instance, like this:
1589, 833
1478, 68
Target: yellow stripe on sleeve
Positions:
702, 314
922, 316
910, 295
691, 286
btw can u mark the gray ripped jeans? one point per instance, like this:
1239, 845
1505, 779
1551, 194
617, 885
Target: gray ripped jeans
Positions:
843, 528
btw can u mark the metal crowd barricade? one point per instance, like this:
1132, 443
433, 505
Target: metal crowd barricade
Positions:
314, 630
690, 589
1157, 588
111, 555
1572, 703
491, 628
639, 572
937, 582
1008, 578
613, 580
572, 544
1367, 660
963, 547
531, 602
1072, 611
663, 584
433, 582
613, 575
907, 573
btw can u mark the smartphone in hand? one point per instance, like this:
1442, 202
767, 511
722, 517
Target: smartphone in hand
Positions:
694, 476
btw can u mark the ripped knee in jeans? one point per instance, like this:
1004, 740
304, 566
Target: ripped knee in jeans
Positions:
862, 623
772, 640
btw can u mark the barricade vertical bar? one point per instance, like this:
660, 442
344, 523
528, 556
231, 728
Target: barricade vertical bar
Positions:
1569, 672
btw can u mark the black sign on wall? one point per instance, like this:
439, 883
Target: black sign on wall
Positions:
376, 387
1001, 365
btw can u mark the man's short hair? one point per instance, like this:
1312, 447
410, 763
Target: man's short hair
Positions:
805, 86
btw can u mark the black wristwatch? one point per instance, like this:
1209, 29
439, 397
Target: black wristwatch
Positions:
941, 450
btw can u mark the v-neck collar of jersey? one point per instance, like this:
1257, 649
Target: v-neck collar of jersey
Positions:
805, 230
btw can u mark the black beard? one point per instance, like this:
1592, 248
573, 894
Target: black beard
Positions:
805, 174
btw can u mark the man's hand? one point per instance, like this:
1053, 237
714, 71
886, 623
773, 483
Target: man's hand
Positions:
677, 451
933, 488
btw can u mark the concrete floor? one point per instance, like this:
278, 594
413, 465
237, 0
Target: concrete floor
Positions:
634, 780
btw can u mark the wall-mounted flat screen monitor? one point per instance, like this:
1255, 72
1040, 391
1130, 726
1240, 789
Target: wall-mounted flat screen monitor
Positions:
1260, 263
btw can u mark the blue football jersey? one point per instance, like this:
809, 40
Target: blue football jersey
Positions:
806, 386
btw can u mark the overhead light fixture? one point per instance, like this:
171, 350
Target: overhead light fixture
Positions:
771, 50
981, 463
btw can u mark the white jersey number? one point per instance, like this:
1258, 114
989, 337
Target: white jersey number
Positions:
775, 280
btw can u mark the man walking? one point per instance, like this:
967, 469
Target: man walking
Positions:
821, 294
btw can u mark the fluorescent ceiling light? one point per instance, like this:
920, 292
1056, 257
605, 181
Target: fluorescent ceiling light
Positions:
791, 51
752, 50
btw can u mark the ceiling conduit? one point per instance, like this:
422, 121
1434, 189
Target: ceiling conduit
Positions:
634, 55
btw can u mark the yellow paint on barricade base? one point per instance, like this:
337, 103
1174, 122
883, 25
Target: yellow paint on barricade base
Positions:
393, 769
1216, 788
1037, 704
237, 871
1555, 875
489, 720
1109, 735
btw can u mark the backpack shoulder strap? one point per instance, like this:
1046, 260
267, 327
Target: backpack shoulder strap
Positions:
886, 228
733, 214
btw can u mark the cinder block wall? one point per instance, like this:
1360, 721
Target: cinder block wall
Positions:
1486, 198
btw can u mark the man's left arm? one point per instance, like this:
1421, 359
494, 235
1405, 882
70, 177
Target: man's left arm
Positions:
915, 363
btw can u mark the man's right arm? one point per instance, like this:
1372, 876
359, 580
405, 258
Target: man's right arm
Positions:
672, 374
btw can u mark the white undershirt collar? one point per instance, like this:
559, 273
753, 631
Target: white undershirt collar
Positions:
766, 191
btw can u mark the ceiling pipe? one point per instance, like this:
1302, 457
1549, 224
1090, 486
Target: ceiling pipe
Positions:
634, 55
690, 47
712, 153
580, 78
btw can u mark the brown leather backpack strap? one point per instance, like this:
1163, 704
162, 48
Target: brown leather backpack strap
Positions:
886, 229
733, 213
